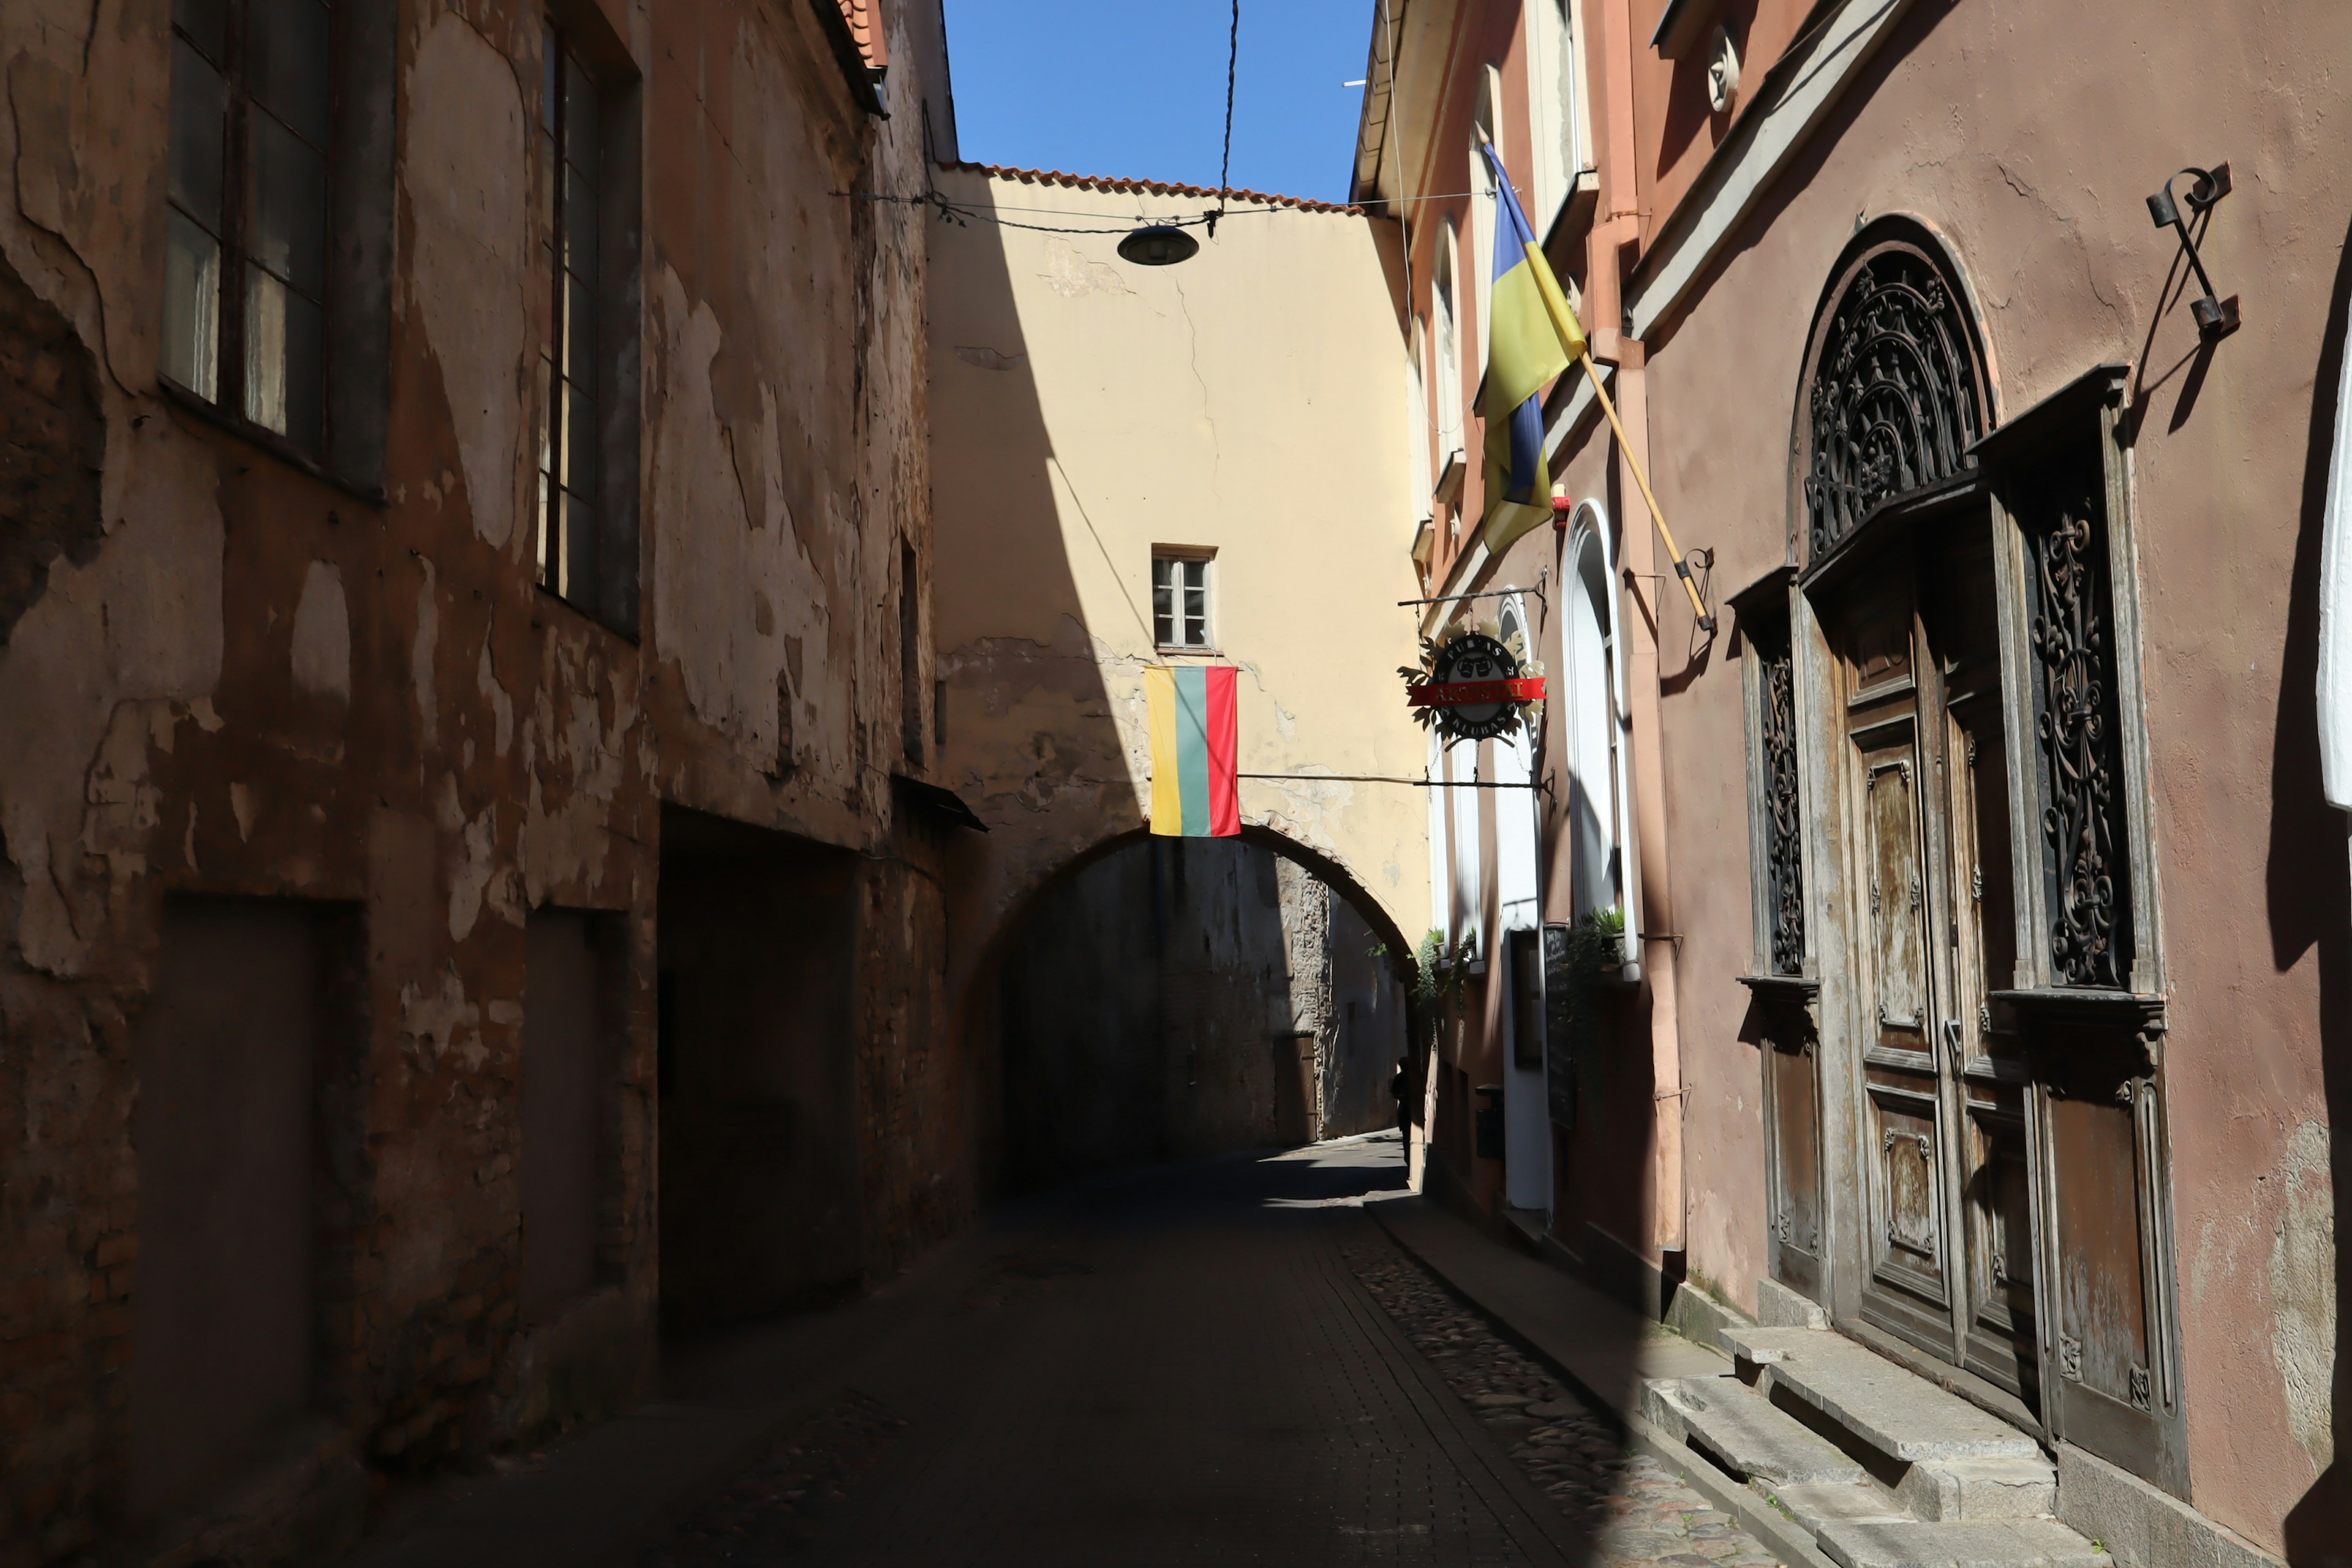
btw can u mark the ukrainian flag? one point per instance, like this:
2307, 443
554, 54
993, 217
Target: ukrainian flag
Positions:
1532, 336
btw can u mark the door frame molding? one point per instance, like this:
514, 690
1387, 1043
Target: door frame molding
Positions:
2099, 1092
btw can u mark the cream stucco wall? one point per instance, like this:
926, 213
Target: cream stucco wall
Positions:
1252, 401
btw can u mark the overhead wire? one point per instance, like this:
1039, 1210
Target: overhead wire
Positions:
1226, 168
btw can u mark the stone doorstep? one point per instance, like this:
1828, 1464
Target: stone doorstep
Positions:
1818, 1504
1730, 1422
1981, 1489
1972, 1511
1965, 1544
1881, 1405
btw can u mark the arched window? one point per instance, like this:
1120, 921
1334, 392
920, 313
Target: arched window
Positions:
1895, 385
1594, 716
1516, 849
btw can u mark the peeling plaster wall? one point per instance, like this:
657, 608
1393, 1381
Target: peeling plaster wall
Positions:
221, 674
1251, 400
2030, 137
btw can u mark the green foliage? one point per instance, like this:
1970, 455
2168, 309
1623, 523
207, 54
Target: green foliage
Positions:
1438, 985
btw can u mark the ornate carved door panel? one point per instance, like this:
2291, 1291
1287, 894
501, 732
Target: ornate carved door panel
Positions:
2087, 1001
1943, 1161
1988, 1061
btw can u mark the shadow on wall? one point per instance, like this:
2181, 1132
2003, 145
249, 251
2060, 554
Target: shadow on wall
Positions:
1180, 997
1024, 725
2310, 898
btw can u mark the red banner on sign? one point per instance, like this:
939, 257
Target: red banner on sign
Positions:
1470, 693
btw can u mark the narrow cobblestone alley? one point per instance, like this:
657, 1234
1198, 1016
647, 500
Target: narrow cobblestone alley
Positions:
1225, 1362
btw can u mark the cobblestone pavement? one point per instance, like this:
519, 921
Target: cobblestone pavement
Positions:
1640, 1513
1192, 1367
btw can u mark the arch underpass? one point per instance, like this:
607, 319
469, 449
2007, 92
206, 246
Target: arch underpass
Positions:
1161, 998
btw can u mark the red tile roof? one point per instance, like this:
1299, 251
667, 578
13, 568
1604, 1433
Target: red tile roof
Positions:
1154, 187
866, 25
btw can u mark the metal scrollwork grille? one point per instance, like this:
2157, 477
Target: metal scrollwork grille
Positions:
1897, 397
1784, 862
2074, 726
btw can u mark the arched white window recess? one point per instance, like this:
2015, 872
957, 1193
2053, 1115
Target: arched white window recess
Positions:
1603, 860
1518, 952
2335, 606
1516, 888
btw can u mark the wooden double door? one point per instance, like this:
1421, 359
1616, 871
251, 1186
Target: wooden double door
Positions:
1942, 1115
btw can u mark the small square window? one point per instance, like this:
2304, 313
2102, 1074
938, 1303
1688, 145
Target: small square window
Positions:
1179, 600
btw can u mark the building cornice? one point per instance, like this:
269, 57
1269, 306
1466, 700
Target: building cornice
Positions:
1797, 94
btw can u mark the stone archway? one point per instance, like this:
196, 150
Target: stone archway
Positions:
1168, 998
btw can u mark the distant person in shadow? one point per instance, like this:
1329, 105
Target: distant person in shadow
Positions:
1401, 1088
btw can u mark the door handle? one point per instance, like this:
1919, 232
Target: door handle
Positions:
1952, 1036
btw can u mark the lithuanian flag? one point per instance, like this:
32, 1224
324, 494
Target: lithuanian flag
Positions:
1529, 324
1194, 792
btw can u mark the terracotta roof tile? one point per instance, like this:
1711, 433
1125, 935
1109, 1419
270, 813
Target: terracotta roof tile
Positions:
1153, 187
866, 25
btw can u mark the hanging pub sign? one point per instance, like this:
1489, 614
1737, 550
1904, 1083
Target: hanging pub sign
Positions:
1473, 687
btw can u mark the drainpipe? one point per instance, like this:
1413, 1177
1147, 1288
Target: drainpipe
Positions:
1616, 239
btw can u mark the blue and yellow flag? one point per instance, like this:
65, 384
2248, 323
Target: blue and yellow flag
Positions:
1532, 336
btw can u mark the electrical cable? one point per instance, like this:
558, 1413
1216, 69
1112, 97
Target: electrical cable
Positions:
1225, 169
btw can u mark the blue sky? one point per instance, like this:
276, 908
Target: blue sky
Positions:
1138, 88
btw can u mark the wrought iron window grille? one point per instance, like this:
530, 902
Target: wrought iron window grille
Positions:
1896, 399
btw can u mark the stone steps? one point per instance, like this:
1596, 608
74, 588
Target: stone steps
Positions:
1884, 1468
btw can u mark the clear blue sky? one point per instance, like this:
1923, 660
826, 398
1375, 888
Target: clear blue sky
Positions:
1138, 88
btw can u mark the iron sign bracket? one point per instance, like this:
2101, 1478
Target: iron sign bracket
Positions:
2215, 318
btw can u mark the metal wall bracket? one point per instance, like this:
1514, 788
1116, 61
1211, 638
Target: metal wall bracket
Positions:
2215, 318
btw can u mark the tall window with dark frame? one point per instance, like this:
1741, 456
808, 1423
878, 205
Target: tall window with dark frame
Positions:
571, 155
245, 293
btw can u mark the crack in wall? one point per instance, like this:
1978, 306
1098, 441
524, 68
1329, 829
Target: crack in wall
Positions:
1192, 333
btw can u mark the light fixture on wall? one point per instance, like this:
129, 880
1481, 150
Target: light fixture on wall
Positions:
1158, 245
2214, 317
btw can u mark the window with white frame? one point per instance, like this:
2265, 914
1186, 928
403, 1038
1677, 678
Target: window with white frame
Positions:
1418, 423
1446, 287
1485, 201
1441, 858
1556, 96
1469, 847
1180, 598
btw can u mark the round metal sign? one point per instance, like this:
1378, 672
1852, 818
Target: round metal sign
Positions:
1474, 655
